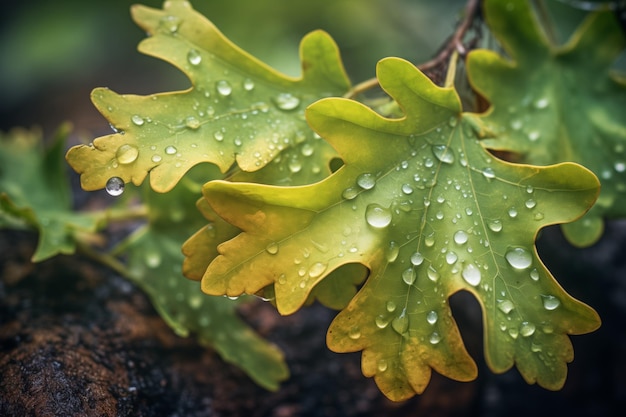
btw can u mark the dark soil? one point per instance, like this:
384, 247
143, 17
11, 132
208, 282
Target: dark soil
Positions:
78, 340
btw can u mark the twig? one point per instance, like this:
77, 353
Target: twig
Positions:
453, 44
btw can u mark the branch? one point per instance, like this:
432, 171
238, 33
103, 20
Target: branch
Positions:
453, 44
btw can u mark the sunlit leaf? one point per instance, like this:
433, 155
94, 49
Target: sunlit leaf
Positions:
237, 110
430, 212
35, 190
155, 262
553, 103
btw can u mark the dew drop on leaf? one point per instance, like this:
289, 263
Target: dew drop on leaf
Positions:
286, 101
417, 259
381, 322
471, 274
377, 216
530, 203
408, 276
354, 333
432, 317
127, 154
443, 153
460, 237
527, 329
432, 274
512, 212
451, 258
137, 120
218, 136
350, 193
224, 88
192, 123
390, 306
392, 251
489, 173
115, 186
248, 84
366, 181
550, 302
194, 57
495, 225
534, 274
506, 306
170, 150
153, 259
519, 258
401, 323
156, 158
272, 248
317, 269
382, 365
434, 338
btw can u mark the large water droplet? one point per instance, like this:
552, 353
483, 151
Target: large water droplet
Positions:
192, 123
153, 259
530, 203
127, 154
443, 153
286, 101
137, 120
401, 323
495, 225
408, 276
224, 88
519, 258
248, 84
550, 302
542, 103
506, 306
432, 317
366, 181
489, 173
377, 216
460, 237
156, 158
170, 150
512, 212
434, 338
381, 321
471, 274
417, 259
392, 252
527, 329
350, 193
115, 186
194, 57
317, 269
390, 306
382, 365
432, 274
354, 333
451, 258
534, 274
272, 248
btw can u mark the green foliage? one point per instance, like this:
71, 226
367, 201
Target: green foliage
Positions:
553, 103
35, 192
314, 192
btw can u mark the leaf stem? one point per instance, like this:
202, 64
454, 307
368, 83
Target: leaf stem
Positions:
453, 44
103, 258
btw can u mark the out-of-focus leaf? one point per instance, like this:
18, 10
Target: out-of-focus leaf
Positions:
34, 189
154, 262
553, 103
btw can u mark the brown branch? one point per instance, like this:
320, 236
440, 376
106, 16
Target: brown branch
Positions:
454, 43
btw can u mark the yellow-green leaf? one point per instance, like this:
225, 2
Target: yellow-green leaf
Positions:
557, 103
237, 110
430, 212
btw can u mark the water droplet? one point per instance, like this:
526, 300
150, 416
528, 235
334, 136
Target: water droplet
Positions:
366, 181
620, 166
272, 248
430, 240
434, 338
295, 166
533, 135
192, 123
382, 365
171, 150
381, 322
516, 124
519, 258
401, 323
489, 173
127, 154
391, 306
443, 153
224, 88
512, 212
432, 317
137, 120
350, 193
432, 274
513, 333
354, 333
407, 189
286, 101
452, 121
170, 23
534, 274
317, 269
218, 135
527, 329
248, 84
194, 57
377, 216
156, 158
530, 203
451, 258
307, 149
153, 259
460, 237
550, 302
506, 306
495, 225
471, 274
408, 276
392, 252
195, 301
115, 186
417, 259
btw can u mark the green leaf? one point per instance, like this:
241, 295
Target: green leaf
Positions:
552, 103
155, 262
238, 109
34, 190
430, 212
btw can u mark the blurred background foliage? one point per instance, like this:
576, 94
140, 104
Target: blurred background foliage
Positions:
52, 54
